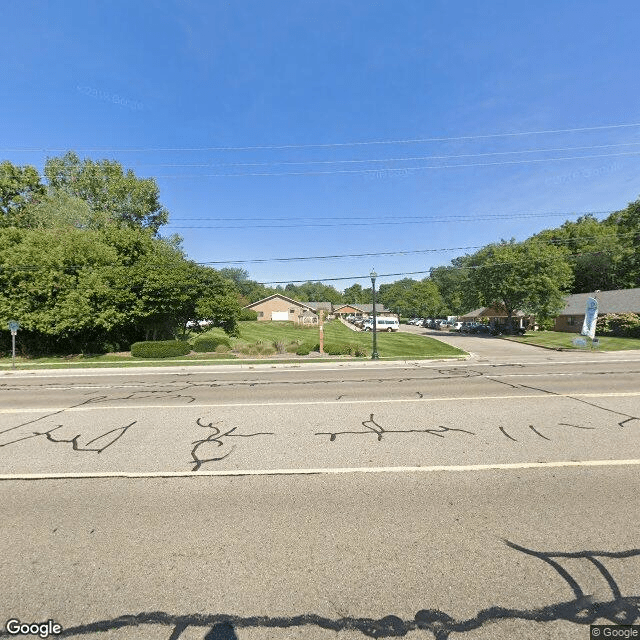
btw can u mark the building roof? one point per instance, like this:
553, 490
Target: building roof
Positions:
617, 301
491, 312
279, 295
320, 306
365, 308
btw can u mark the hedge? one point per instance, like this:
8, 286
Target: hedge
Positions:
205, 343
160, 349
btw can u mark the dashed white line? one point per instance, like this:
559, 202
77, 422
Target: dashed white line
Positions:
109, 407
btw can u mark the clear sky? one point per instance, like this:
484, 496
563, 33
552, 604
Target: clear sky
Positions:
388, 124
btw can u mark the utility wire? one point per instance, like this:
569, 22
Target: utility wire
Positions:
389, 169
335, 144
369, 223
150, 268
452, 218
405, 159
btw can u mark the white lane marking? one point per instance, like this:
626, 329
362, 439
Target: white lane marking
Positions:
196, 384
541, 395
303, 366
326, 471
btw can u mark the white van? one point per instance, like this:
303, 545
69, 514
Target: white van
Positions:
382, 324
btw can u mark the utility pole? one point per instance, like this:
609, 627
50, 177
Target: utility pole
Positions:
374, 354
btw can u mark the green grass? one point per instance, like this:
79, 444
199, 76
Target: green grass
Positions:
252, 334
561, 340
390, 345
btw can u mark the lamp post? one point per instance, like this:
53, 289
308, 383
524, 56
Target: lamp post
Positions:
374, 354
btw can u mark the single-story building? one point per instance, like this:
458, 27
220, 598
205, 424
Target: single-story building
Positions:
279, 307
618, 301
361, 310
497, 316
325, 307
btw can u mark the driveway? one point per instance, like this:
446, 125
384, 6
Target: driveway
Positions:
481, 347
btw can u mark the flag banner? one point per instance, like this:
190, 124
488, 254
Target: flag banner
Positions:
590, 319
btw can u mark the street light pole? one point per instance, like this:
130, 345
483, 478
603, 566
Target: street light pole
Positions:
374, 354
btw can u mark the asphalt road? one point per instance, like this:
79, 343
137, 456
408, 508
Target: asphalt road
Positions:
493, 498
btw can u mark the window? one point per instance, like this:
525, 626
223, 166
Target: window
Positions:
260, 314
571, 321
292, 310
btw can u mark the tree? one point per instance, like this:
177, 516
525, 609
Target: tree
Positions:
108, 190
530, 276
313, 292
19, 187
425, 299
597, 252
355, 294
397, 296
453, 285
627, 225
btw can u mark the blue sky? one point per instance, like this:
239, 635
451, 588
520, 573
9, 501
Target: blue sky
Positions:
201, 94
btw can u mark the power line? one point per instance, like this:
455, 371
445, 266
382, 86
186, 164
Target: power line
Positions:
370, 222
33, 267
391, 170
398, 253
429, 271
405, 159
452, 218
334, 144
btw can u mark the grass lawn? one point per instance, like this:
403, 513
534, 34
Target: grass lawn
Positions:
561, 340
390, 345
256, 340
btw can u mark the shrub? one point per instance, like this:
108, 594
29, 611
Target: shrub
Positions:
360, 352
248, 314
337, 349
265, 350
160, 349
280, 346
303, 350
621, 325
292, 348
546, 324
210, 343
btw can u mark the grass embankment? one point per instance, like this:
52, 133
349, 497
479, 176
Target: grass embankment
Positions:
257, 340
561, 340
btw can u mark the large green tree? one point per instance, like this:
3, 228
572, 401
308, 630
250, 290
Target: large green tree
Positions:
19, 188
597, 252
529, 276
627, 225
108, 189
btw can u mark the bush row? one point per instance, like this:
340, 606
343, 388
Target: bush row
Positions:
620, 325
160, 349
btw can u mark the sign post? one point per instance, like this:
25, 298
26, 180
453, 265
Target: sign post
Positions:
13, 327
321, 314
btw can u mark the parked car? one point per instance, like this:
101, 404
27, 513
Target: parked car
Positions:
457, 327
382, 324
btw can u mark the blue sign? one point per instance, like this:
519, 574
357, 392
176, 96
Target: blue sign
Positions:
14, 325
590, 319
